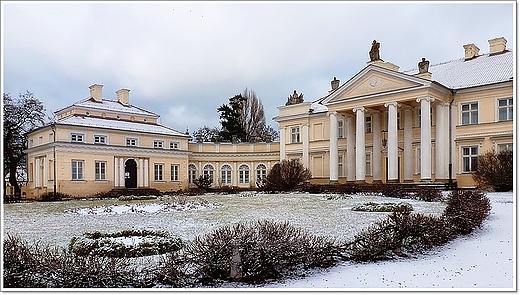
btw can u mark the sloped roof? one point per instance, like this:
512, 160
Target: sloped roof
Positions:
111, 106
482, 70
83, 121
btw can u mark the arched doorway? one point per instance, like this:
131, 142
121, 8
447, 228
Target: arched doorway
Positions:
130, 174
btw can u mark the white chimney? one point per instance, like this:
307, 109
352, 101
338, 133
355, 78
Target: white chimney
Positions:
123, 96
470, 51
497, 45
96, 92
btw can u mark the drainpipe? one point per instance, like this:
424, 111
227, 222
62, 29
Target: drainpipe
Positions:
450, 165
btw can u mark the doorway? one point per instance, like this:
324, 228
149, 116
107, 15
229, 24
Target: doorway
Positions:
130, 174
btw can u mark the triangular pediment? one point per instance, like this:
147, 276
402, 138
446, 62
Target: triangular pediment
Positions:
374, 80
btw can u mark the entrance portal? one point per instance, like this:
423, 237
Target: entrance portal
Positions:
130, 174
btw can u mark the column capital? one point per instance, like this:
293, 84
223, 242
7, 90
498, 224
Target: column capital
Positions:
333, 113
427, 98
443, 103
393, 103
362, 109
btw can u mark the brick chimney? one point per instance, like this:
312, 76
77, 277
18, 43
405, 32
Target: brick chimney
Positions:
497, 45
123, 96
96, 92
470, 51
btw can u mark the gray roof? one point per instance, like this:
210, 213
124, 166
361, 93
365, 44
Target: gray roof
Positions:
111, 106
482, 70
82, 121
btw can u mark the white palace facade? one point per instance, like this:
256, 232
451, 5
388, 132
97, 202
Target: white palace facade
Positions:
370, 129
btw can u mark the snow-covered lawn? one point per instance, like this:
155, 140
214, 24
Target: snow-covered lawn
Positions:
484, 259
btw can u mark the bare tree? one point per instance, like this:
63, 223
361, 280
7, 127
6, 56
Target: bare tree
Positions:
252, 119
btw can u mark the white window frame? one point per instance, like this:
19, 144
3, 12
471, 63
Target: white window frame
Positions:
368, 163
158, 144
341, 129
471, 156
77, 137
77, 170
100, 136
100, 169
158, 172
243, 174
472, 113
174, 170
368, 124
192, 173
504, 146
226, 173
134, 139
340, 166
175, 145
508, 107
261, 172
295, 134
209, 170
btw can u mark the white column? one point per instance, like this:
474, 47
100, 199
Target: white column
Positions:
333, 161
282, 144
235, 174
453, 115
393, 171
351, 154
426, 134
121, 172
116, 171
376, 147
441, 142
45, 171
141, 173
360, 144
305, 140
37, 172
408, 151
146, 180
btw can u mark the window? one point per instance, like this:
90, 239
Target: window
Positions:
261, 173
158, 144
192, 173
208, 170
225, 172
77, 170
243, 174
340, 129
174, 173
100, 170
505, 109
398, 120
368, 164
469, 158
432, 122
418, 157
469, 113
77, 137
158, 172
31, 143
100, 139
340, 166
368, 124
295, 134
175, 145
132, 141
505, 147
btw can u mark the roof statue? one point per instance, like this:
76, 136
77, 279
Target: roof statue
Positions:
374, 51
423, 65
294, 99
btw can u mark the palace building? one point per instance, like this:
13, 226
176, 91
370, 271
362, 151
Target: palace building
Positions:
426, 125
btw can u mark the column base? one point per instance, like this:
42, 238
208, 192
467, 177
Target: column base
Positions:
378, 181
426, 180
360, 182
334, 182
408, 181
393, 181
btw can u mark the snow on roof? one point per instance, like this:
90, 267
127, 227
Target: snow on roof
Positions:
317, 107
482, 70
111, 106
119, 125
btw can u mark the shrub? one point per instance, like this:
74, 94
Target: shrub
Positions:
495, 171
254, 252
392, 191
204, 181
350, 188
51, 196
428, 194
466, 210
286, 175
384, 207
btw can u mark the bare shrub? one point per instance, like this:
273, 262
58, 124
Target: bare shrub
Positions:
466, 210
391, 191
286, 175
51, 196
428, 194
204, 181
495, 171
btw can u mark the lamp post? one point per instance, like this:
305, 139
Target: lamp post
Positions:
53, 127
384, 141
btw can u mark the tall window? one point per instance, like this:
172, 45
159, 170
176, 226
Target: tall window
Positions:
261, 173
158, 144
340, 129
77, 170
368, 164
158, 172
295, 134
340, 166
469, 158
100, 170
505, 109
398, 120
469, 112
368, 124
192, 173
243, 174
225, 172
208, 170
174, 176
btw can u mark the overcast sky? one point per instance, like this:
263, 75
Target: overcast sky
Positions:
182, 60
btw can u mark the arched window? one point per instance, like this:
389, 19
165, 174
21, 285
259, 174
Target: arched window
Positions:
225, 172
243, 174
208, 170
192, 173
261, 174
